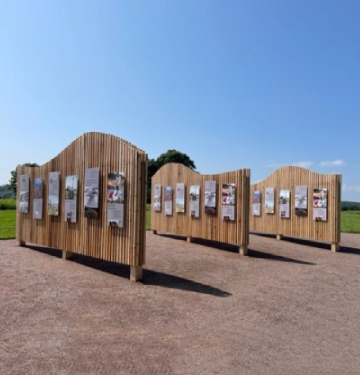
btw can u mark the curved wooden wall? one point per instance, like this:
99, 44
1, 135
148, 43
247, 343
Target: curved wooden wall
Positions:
91, 237
210, 227
297, 226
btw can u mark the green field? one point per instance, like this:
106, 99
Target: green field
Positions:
350, 222
7, 224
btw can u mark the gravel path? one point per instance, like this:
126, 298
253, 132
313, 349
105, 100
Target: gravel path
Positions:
287, 308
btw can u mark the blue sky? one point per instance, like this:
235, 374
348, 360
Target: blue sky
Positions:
233, 84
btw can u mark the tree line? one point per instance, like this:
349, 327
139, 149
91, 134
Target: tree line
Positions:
170, 156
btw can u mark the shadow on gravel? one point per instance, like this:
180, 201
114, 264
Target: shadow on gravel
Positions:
207, 243
321, 245
297, 241
278, 258
174, 282
349, 250
235, 249
45, 250
150, 277
310, 243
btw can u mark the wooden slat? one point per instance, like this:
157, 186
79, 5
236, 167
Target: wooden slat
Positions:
91, 237
296, 226
210, 227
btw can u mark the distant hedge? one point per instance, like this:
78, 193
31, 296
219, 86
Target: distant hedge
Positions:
7, 204
350, 206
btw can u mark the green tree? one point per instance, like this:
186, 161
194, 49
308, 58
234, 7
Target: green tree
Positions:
174, 156
13, 179
170, 156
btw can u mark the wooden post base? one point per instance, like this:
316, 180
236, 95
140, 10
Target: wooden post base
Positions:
279, 237
154, 231
189, 239
335, 247
22, 243
66, 254
135, 273
243, 250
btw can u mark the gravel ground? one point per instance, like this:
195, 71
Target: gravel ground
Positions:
288, 308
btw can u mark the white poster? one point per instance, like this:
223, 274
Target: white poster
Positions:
195, 201
38, 199
257, 203
24, 194
71, 194
168, 200
284, 203
115, 199
157, 198
54, 191
301, 200
210, 197
228, 199
269, 200
91, 193
180, 197
320, 204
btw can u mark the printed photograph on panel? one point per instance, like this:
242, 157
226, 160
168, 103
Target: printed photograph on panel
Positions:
157, 198
284, 203
320, 204
210, 197
24, 194
257, 203
180, 197
301, 201
91, 193
115, 187
38, 188
195, 201
228, 194
115, 199
168, 200
269, 200
53, 198
71, 194
38, 199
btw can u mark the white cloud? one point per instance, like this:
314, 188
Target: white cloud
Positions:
304, 164
350, 187
335, 163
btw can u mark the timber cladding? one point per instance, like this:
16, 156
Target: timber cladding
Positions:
91, 236
299, 226
206, 226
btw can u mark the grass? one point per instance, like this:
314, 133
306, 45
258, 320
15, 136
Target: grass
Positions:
7, 224
8, 204
350, 221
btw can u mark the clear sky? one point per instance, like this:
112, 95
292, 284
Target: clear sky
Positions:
233, 84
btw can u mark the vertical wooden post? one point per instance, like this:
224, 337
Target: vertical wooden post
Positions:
66, 254
135, 273
154, 231
279, 237
189, 239
243, 250
335, 247
22, 243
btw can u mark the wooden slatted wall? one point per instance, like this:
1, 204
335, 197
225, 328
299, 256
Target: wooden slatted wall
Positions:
91, 237
296, 226
210, 227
